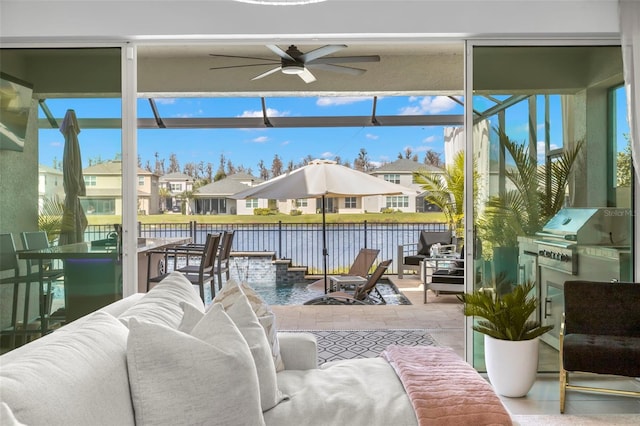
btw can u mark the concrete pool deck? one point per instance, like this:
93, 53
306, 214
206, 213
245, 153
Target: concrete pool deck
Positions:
441, 316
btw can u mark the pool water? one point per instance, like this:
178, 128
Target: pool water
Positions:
297, 294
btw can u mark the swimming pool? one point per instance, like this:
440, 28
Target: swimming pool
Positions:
297, 294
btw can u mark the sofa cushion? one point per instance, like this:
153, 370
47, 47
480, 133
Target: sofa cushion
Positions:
205, 378
73, 378
161, 305
357, 392
245, 319
231, 291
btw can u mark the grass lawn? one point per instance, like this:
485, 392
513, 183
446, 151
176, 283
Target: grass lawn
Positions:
275, 218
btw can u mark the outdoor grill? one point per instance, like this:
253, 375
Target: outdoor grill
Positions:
573, 227
577, 244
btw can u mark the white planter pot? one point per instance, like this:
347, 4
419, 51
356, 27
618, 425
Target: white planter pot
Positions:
512, 366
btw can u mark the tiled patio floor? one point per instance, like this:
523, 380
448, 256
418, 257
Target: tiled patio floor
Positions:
441, 316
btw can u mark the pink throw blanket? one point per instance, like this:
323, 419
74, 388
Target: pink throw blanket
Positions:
444, 389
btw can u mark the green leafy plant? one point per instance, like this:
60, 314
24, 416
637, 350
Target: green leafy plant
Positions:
50, 218
534, 195
446, 190
505, 317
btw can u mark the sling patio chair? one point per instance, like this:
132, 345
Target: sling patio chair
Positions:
366, 294
357, 274
199, 275
411, 255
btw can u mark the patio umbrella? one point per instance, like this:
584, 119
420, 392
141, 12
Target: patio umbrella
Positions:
322, 179
74, 222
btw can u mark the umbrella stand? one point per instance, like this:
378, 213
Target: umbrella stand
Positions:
325, 253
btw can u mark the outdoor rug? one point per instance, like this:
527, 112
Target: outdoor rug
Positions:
349, 344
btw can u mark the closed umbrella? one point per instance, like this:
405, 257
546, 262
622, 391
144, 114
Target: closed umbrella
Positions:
74, 222
321, 179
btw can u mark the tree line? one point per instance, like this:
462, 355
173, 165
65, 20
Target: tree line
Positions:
202, 171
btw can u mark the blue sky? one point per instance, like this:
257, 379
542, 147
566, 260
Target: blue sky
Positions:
248, 146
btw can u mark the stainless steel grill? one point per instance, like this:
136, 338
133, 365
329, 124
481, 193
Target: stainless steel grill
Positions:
572, 227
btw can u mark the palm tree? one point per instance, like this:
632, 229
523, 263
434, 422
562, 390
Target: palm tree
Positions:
50, 218
164, 193
446, 190
537, 194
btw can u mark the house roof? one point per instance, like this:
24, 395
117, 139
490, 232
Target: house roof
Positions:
46, 169
112, 167
227, 186
406, 166
176, 176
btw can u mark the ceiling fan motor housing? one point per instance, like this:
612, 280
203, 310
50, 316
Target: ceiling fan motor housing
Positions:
295, 66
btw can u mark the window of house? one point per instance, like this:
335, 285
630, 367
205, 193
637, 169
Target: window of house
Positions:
397, 201
140, 180
251, 203
350, 202
392, 177
301, 202
176, 187
90, 180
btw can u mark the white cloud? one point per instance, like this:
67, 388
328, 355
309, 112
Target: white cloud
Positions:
428, 105
340, 100
260, 139
540, 148
270, 113
430, 139
285, 143
371, 136
165, 101
327, 154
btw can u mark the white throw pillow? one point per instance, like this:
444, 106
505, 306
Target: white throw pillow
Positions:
161, 305
206, 378
245, 319
231, 291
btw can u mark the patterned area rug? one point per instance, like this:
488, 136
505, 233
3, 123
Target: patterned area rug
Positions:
349, 344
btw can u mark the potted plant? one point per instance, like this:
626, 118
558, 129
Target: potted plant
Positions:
511, 337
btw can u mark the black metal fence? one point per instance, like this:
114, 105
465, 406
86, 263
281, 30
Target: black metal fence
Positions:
302, 243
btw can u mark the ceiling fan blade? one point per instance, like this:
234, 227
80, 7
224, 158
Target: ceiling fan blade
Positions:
307, 76
264, 74
240, 66
321, 51
338, 68
345, 59
215, 55
284, 55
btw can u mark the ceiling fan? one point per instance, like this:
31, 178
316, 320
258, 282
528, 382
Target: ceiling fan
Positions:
293, 61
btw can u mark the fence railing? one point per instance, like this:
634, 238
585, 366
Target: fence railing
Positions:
302, 243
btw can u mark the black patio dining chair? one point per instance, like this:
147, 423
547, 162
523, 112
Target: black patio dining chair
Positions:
24, 324
49, 273
200, 275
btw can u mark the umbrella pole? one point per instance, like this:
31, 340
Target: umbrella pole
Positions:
325, 254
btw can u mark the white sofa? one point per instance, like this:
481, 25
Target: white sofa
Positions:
160, 358
79, 375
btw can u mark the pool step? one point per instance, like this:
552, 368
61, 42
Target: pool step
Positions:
287, 274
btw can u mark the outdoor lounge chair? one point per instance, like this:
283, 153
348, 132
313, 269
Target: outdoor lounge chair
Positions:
359, 268
410, 255
366, 294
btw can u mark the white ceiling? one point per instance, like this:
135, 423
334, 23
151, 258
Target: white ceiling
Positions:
407, 68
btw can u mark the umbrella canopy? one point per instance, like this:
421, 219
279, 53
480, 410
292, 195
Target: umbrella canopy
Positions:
321, 179
74, 222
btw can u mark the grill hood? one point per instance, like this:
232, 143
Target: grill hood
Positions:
606, 226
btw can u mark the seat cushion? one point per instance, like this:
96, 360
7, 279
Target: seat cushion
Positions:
601, 354
414, 260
